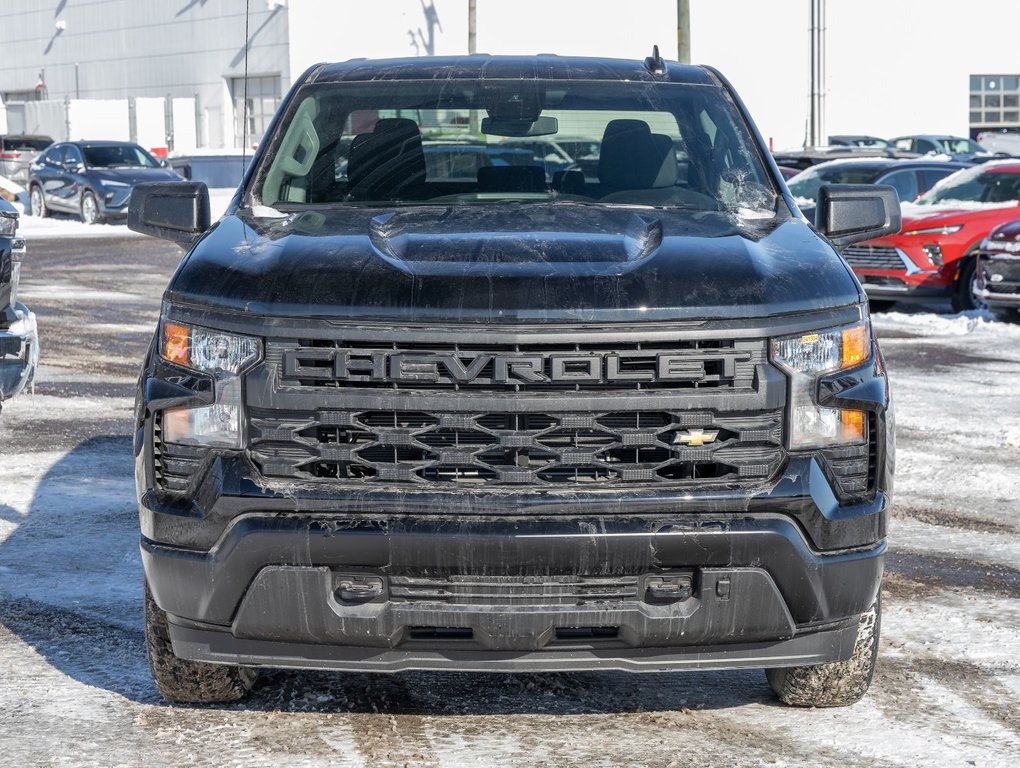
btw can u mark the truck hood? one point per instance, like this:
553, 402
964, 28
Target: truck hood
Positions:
529, 263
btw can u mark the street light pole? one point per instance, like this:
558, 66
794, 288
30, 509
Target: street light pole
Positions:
683, 31
473, 125
816, 103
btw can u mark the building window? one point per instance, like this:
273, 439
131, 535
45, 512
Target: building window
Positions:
16, 96
993, 103
263, 99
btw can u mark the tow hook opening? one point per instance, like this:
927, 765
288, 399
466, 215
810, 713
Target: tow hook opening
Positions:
359, 589
669, 589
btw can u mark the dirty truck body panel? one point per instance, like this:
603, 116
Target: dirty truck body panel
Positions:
19, 341
511, 427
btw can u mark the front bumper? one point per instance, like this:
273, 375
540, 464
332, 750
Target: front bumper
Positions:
998, 280
916, 278
19, 352
393, 593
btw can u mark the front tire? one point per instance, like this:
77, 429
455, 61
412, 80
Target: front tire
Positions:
189, 682
37, 202
90, 209
838, 683
963, 298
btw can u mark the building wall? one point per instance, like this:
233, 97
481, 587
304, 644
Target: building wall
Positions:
143, 48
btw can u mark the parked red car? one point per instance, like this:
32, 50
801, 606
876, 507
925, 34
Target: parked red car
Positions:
934, 254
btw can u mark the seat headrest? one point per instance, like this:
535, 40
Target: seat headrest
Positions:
632, 157
384, 161
569, 182
511, 178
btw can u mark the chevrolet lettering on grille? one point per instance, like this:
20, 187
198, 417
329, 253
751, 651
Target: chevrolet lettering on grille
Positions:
356, 365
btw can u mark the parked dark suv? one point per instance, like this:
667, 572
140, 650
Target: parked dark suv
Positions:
19, 342
500, 424
92, 179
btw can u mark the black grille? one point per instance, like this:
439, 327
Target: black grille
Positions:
873, 257
686, 447
175, 464
582, 367
10, 346
514, 590
854, 468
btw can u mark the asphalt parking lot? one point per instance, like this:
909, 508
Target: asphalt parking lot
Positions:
75, 688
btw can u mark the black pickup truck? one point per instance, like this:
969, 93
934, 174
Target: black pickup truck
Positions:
397, 419
19, 342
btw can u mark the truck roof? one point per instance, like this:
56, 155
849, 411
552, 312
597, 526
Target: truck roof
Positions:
545, 66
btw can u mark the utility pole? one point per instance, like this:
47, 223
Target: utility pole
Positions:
683, 31
472, 42
473, 125
816, 109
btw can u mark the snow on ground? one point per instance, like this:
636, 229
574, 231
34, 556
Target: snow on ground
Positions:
75, 690
57, 225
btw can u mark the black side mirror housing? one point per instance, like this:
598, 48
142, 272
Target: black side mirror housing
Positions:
172, 210
850, 213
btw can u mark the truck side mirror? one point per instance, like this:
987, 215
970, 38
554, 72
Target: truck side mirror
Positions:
173, 210
850, 213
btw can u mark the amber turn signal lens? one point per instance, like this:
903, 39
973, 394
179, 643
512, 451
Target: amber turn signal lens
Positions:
852, 423
175, 342
855, 346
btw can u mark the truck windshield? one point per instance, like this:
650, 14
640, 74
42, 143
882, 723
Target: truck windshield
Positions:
497, 141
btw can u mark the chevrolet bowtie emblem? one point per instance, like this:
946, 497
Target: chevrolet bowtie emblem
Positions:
695, 437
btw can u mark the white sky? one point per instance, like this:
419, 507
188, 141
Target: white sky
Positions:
894, 66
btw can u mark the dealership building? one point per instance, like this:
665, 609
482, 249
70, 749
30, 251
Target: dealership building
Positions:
174, 72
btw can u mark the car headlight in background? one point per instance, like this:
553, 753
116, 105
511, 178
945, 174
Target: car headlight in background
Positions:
936, 230
224, 356
807, 357
112, 183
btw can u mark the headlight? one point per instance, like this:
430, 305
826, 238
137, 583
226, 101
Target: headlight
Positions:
8, 225
807, 357
111, 183
221, 354
936, 230
225, 356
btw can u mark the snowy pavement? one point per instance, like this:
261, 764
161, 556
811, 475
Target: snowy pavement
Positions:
75, 689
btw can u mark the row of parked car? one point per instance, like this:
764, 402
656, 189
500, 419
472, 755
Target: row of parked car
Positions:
960, 237
94, 179
954, 195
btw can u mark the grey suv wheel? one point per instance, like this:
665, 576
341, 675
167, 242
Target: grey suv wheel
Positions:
37, 202
90, 209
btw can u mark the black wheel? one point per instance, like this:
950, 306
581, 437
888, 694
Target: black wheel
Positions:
964, 298
189, 682
881, 305
37, 202
90, 209
836, 684
1007, 314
